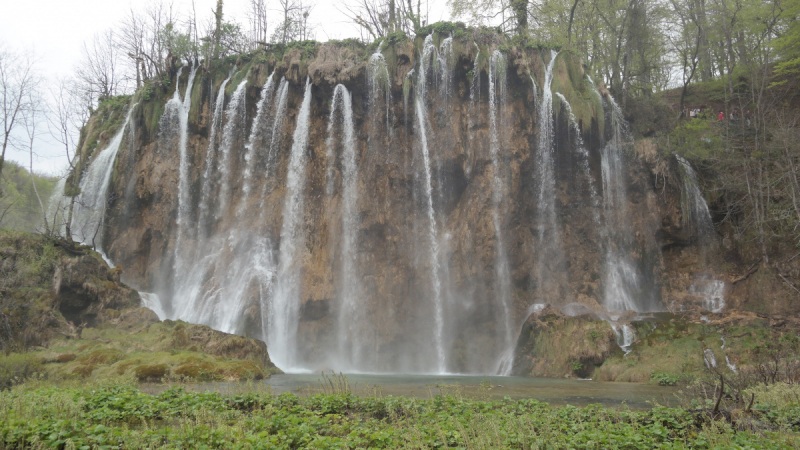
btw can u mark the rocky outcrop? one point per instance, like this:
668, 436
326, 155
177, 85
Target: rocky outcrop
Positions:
395, 272
552, 344
52, 287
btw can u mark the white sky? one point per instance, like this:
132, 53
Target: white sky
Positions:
54, 31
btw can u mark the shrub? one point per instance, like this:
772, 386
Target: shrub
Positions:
153, 372
16, 368
66, 357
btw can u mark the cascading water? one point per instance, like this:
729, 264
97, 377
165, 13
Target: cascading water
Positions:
351, 333
497, 99
285, 305
445, 63
694, 206
583, 161
89, 211
181, 108
697, 217
420, 275
535, 92
622, 285
256, 140
274, 136
379, 84
215, 286
549, 241
420, 102
625, 336
234, 126
208, 169
57, 206
474, 98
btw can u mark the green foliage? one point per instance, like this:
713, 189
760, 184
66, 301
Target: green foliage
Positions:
697, 138
19, 207
668, 379
121, 415
444, 29
307, 48
180, 45
17, 367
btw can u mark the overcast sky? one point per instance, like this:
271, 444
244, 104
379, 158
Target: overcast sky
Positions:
54, 31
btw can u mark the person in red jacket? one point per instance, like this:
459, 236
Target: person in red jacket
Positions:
721, 116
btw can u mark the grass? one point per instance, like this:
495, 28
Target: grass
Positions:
117, 413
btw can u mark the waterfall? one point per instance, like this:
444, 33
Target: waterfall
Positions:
535, 91
445, 63
89, 210
234, 125
422, 125
216, 122
622, 290
547, 227
625, 336
57, 206
351, 336
583, 155
406, 92
693, 205
709, 358
712, 292
497, 99
153, 302
182, 108
256, 140
274, 137
474, 98
379, 82
285, 306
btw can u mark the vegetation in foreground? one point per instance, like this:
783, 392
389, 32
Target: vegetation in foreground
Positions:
37, 415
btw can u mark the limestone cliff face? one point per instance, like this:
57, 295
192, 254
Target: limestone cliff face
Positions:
410, 309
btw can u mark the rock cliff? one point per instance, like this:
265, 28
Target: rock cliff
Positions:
404, 211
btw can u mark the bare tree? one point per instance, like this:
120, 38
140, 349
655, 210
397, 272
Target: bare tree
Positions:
257, 16
66, 117
30, 122
373, 17
131, 40
17, 82
295, 24
98, 71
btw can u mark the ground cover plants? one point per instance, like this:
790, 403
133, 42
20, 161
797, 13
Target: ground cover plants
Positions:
117, 414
